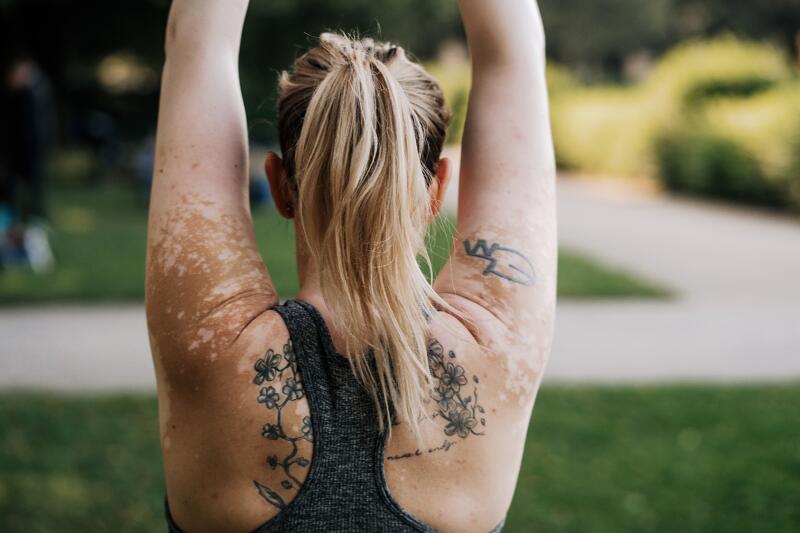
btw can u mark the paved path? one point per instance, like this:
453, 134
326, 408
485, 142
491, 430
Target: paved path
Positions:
737, 272
75, 348
737, 316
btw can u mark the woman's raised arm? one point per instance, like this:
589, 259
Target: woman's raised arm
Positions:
503, 269
205, 278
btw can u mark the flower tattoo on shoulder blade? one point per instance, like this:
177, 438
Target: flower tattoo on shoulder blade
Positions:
454, 402
279, 380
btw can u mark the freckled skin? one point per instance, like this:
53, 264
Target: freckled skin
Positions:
208, 293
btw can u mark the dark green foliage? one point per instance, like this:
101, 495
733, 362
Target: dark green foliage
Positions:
709, 165
458, 104
773, 20
597, 36
735, 88
70, 38
606, 460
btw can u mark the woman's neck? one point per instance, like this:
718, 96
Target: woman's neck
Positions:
311, 292
309, 278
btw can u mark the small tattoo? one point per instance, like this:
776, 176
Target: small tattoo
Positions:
445, 446
502, 267
271, 369
270, 495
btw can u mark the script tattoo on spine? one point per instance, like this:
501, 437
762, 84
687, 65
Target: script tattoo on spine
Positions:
270, 371
454, 402
504, 262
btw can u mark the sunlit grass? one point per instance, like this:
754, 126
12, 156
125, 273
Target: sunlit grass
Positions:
628, 459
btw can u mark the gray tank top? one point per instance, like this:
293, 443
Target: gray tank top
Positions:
345, 490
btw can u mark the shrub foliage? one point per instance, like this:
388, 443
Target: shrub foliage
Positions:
718, 118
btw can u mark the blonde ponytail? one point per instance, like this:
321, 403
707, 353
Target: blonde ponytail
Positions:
362, 128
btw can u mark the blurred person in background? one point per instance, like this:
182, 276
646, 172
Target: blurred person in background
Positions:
27, 134
97, 130
375, 400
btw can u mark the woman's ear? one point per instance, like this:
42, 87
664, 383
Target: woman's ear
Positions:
278, 183
438, 188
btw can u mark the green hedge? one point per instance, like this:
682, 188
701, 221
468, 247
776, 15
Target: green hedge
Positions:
740, 149
718, 118
455, 80
603, 130
709, 164
692, 73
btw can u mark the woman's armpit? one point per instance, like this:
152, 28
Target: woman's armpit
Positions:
507, 272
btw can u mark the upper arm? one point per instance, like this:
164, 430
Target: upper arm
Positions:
502, 271
205, 277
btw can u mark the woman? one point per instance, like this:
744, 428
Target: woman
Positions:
372, 401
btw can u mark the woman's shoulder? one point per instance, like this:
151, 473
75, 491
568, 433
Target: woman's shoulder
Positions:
247, 409
509, 364
480, 403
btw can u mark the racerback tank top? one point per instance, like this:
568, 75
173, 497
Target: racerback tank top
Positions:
346, 490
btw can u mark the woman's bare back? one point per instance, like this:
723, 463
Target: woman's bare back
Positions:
219, 345
258, 444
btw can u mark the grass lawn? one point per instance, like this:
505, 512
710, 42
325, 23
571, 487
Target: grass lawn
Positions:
599, 459
100, 249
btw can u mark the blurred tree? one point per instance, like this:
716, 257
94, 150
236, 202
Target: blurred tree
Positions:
777, 20
597, 36
70, 38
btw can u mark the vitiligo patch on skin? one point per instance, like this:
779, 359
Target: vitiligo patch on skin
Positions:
521, 380
205, 281
510, 272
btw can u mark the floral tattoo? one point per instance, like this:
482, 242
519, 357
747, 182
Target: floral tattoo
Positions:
454, 403
270, 372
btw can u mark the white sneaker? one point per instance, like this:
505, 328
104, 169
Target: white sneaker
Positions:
37, 247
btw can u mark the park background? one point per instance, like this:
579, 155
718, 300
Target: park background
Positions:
671, 400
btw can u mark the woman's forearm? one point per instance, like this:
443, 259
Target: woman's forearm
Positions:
502, 31
199, 25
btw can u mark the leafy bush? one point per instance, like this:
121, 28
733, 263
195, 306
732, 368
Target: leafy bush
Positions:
767, 124
719, 118
709, 164
614, 129
740, 149
603, 130
692, 73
